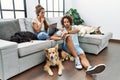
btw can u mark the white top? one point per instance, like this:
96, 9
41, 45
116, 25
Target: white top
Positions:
38, 23
74, 36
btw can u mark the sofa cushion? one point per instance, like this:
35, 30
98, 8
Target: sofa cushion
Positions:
28, 48
8, 28
28, 24
22, 24
95, 39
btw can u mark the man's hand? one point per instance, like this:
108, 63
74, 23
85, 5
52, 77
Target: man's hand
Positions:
64, 34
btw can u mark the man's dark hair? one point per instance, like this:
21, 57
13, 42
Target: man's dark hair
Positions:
68, 17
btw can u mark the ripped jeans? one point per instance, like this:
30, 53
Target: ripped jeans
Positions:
42, 35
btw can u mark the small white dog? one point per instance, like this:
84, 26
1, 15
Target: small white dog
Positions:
88, 30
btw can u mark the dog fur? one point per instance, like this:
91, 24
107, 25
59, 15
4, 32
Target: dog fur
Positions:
53, 59
65, 56
88, 30
23, 36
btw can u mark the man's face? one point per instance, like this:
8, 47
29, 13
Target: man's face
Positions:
66, 23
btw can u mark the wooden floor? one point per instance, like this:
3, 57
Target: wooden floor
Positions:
109, 56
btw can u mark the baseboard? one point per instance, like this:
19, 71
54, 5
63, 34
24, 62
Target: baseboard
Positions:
115, 40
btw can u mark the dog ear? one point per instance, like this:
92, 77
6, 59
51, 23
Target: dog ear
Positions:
99, 31
99, 27
46, 50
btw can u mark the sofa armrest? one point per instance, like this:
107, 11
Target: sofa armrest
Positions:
8, 59
7, 44
94, 43
109, 34
95, 38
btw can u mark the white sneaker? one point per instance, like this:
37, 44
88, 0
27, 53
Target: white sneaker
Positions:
77, 63
95, 69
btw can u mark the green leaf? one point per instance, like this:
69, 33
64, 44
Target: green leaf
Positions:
76, 17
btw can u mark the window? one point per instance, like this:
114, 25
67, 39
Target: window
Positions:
53, 8
13, 9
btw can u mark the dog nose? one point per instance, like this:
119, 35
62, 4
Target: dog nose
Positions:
51, 57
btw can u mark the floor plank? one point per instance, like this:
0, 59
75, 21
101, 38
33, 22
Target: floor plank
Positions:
109, 56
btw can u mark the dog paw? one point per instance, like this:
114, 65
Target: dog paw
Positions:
71, 58
50, 73
60, 73
66, 58
62, 60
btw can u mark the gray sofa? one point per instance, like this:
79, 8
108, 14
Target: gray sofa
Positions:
94, 44
16, 58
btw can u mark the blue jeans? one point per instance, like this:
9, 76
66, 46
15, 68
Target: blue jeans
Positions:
42, 35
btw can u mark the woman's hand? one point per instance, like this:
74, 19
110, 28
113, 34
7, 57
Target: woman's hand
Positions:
42, 20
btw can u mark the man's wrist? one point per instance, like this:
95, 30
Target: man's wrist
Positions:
68, 32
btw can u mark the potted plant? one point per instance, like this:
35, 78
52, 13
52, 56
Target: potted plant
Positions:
75, 15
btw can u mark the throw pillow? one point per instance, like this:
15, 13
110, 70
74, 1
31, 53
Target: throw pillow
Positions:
28, 24
8, 28
53, 29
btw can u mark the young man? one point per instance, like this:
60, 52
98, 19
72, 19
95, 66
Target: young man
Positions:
71, 45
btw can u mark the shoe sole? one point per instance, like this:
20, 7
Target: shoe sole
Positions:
98, 69
79, 68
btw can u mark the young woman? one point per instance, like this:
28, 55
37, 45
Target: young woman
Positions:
71, 45
40, 24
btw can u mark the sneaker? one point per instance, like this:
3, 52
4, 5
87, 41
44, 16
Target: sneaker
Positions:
95, 69
77, 63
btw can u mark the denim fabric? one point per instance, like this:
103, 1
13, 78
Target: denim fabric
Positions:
42, 35
77, 49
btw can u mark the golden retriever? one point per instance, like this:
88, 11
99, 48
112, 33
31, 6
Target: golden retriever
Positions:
88, 30
54, 59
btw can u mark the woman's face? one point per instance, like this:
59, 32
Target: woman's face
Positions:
42, 13
66, 23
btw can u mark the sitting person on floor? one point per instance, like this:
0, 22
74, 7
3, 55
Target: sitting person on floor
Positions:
71, 45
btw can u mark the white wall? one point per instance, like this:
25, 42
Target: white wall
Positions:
31, 8
104, 13
68, 5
